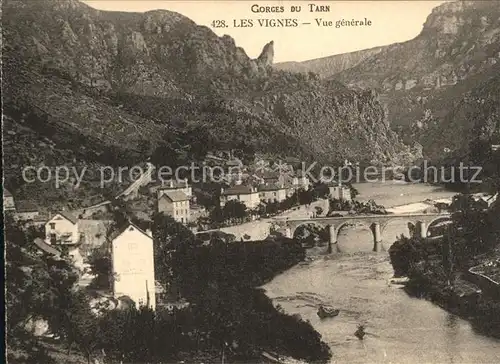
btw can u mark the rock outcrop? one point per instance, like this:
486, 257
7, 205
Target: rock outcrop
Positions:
266, 57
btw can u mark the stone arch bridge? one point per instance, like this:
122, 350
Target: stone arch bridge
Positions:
376, 223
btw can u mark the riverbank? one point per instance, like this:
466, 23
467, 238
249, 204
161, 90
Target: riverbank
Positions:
394, 194
401, 328
461, 293
222, 288
466, 300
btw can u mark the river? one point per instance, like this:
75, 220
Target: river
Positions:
400, 329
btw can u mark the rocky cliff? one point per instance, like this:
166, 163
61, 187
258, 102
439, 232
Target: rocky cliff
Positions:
458, 40
424, 79
112, 86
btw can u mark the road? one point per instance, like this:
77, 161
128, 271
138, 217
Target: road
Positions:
260, 229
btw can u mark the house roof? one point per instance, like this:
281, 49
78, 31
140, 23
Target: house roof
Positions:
26, 206
67, 216
46, 248
268, 174
239, 190
493, 198
41, 217
118, 232
175, 196
6, 193
271, 187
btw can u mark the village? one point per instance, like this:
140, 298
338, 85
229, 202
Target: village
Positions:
239, 208
248, 193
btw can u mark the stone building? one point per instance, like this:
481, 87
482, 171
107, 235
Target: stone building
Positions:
247, 195
176, 204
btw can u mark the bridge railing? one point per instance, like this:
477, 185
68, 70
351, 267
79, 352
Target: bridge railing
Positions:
351, 217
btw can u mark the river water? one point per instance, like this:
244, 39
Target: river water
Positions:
400, 329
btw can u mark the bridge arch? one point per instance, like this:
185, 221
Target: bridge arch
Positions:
372, 226
293, 230
417, 224
308, 224
411, 227
432, 223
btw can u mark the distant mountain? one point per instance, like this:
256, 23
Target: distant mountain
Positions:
425, 79
331, 65
110, 87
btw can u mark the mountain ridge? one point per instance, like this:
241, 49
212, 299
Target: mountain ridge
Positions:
125, 83
424, 78
329, 65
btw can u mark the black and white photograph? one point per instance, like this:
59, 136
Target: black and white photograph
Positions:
251, 182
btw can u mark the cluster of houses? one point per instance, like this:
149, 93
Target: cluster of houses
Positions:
272, 187
131, 248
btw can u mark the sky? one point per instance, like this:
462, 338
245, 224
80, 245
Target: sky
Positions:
391, 22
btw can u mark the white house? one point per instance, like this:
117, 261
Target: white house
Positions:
300, 180
248, 195
133, 265
339, 191
272, 192
62, 228
295, 181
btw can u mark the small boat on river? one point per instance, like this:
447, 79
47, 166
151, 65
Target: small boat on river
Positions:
398, 281
360, 332
325, 312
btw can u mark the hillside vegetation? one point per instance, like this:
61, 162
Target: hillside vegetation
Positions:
440, 87
110, 87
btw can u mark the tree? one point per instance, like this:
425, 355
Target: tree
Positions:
79, 325
354, 191
305, 196
37, 286
168, 152
145, 148
272, 207
234, 209
101, 266
261, 209
319, 210
120, 213
448, 258
217, 215
320, 190
168, 236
